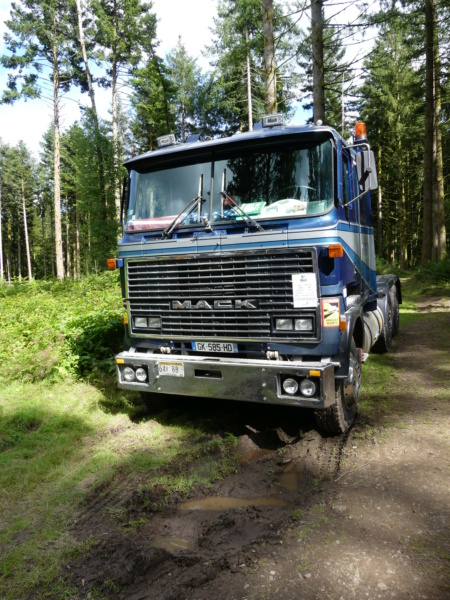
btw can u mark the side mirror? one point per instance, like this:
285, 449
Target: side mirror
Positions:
366, 170
123, 199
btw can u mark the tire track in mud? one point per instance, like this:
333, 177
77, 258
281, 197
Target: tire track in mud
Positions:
179, 548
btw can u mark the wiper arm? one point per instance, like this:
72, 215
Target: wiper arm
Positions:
247, 217
196, 202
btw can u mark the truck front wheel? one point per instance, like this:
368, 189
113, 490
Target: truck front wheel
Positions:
339, 417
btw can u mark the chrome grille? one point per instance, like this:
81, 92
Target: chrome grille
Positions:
264, 278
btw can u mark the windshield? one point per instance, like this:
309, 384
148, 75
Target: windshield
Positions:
288, 181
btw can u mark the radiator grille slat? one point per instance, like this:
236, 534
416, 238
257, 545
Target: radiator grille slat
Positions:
265, 278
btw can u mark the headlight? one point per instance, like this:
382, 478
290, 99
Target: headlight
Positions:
290, 386
308, 388
303, 325
154, 322
141, 374
284, 324
147, 322
128, 374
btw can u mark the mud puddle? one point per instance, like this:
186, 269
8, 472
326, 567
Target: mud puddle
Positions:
217, 503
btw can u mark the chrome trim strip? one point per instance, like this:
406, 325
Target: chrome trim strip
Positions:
248, 380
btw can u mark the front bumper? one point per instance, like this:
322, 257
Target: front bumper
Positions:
249, 380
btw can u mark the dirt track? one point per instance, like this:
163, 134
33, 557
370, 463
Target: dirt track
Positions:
361, 516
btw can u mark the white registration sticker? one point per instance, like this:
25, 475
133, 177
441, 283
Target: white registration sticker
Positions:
173, 369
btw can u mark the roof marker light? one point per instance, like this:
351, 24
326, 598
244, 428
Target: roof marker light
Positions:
273, 120
166, 140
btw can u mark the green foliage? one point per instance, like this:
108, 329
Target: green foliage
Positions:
238, 38
53, 330
437, 272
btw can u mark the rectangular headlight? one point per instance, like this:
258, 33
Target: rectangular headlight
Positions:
284, 324
303, 325
154, 322
140, 321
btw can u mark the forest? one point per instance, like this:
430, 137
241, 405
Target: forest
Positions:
60, 213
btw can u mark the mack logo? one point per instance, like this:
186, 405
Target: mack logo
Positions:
204, 305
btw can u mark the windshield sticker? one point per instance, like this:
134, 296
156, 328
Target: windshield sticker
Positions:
304, 290
330, 312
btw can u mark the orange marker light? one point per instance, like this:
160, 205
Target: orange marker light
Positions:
342, 323
314, 373
360, 130
335, 251
125, 318
111, 262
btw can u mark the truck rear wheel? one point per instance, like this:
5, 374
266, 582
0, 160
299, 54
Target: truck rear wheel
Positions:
395, 315
339, 417
384, 342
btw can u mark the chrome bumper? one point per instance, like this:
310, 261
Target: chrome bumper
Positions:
249, 380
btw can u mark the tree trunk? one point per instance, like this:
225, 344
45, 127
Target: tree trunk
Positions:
439, 230
115, 118
57, 174
25, 228
77, 260
249, 87
317, 58
269, 57
380, 207
427, 237
8, 250
98, 143
43, 243
1, 239
68, 261
19, 250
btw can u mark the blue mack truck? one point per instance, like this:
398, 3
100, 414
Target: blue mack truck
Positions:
248, 270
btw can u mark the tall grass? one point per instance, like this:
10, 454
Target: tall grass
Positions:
52, 330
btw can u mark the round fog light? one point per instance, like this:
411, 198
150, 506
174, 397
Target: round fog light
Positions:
290, 386
308, 388
129, 374
141, 374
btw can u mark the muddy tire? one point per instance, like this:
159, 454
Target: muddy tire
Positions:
340, 416
395, 315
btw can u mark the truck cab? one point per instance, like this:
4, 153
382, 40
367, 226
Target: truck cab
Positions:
248, 270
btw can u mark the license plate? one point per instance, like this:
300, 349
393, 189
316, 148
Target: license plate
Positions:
215, 347
172, 369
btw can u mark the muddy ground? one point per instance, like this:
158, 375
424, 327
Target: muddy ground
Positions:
364, 515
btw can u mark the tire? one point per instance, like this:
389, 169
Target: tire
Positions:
395, 315
384, 342
340, 416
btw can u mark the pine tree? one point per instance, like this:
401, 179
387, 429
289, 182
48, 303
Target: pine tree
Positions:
122, 29
40, 34
184, 76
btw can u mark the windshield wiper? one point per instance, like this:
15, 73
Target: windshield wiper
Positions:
196, 202
225, 196
247, 217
